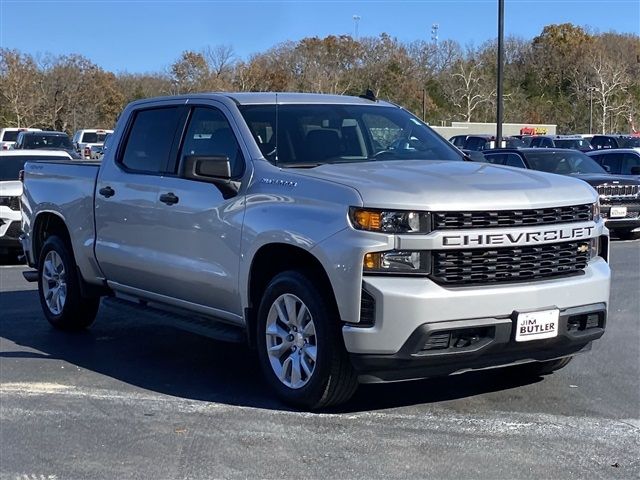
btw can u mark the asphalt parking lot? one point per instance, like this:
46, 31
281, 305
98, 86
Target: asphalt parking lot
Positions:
132, 398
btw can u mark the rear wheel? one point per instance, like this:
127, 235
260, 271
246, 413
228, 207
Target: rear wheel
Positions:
300, 346
59, 288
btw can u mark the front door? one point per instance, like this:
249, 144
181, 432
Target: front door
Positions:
198, 235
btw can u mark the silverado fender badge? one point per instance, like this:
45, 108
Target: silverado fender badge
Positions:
277, 181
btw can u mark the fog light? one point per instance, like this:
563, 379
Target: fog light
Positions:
396, 261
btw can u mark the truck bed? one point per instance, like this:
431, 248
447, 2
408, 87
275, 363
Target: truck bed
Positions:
64, 188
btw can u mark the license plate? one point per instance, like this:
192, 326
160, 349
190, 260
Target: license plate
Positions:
617, 212
537, 325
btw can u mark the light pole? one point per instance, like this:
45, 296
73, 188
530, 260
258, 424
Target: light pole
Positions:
591, 90
356, 21
500, 68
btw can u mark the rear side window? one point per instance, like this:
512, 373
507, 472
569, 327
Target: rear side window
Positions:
150, 140
513, 160
629, 161
209, 134
495, 158
612, 160
9, 136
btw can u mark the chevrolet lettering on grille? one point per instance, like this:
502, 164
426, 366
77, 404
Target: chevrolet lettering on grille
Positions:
516, 238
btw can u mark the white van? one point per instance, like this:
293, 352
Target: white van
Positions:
84, 139
8, 136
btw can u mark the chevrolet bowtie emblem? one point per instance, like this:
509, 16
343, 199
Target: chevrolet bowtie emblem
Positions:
583, 248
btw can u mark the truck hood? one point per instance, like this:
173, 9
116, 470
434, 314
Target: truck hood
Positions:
449, 185
11, 188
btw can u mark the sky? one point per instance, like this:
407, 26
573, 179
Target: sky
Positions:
148, 35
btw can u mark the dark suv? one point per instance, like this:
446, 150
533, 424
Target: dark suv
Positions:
619, 195
46, 141
615, 141
561, 141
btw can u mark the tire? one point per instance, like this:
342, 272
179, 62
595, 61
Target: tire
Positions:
57, 279
627, 235
537, 369
315, 335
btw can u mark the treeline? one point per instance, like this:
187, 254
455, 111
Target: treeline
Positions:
565, 75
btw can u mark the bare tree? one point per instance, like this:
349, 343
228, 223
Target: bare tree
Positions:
469, 88
18, 80
611, 82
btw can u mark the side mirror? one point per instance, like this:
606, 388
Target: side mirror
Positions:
635, 170
607, 168
214, 169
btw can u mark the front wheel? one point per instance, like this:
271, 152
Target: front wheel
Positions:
300, 346
59, 288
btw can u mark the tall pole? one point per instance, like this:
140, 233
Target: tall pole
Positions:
590, 110
356, 20
500, 73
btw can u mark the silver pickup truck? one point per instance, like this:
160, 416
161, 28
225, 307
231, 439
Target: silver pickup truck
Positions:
339, 236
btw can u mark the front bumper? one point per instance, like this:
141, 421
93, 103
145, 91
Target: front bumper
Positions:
402, 305
630, 222
494, 347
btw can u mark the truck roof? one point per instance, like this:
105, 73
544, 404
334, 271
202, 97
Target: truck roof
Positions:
269, 98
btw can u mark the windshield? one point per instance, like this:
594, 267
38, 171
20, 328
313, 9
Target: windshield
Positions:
9, 136
310, 135
513, 142
630, 142
574, 143
35, 141
93, 137
563, 163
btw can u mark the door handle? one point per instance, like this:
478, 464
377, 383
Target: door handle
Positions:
107, 192
169, 198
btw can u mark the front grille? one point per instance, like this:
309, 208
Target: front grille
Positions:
511, 218
630, 214
619, 191
519, 264
14, 203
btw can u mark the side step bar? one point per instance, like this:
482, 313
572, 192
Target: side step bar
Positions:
30, 275
204, 326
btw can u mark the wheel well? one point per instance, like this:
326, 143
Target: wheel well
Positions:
272, 259
48, 224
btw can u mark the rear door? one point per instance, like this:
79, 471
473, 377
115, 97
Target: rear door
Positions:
126, 214
198, 236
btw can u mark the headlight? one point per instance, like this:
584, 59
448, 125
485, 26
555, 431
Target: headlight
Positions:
387, 221
395, 261
595, 211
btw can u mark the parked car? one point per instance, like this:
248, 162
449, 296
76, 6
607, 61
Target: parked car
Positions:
615, 141
484, 142
619, 195
342, 251
575, 142
619, 161
84, 139
11, 163
526, 139
8, 136
46, 141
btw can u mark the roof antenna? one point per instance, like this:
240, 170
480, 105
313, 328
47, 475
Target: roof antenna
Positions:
276, 157
369, 95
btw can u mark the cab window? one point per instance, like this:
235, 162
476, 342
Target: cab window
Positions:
151, 137
209, 134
